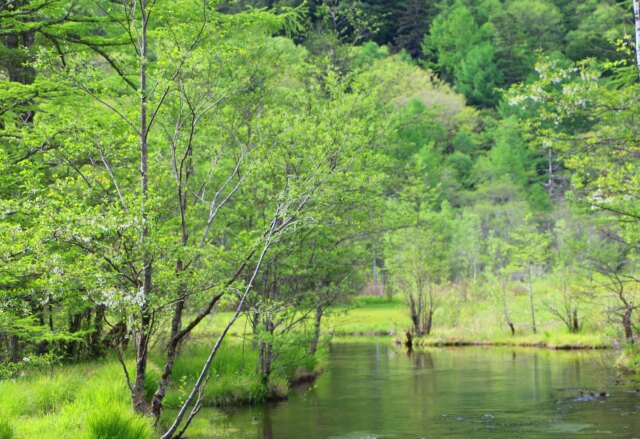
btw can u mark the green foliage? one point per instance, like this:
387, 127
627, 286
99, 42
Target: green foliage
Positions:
452, 35
478, 77
300, 132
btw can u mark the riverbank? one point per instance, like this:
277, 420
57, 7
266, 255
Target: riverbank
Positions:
91, 400
465, 323
456, 323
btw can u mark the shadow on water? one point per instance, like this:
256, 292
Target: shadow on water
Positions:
373, 390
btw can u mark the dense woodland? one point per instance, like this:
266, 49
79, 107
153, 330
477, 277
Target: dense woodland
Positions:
161, 160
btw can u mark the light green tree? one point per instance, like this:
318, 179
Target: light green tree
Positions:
529, 255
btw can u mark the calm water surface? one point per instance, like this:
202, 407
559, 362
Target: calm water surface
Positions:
372, 390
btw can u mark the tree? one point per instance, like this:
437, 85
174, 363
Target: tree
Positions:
161, 95
420, 265
478, 77
615, 266
572, 244
466, 250
530, 252
452, 35
542, 22
591, 122
414, 18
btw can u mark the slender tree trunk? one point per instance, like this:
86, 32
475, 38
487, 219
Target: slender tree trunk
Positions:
172, 351
506, 311
533, 313
429, 323
428, 318
415, 315
138, 397
266, 352
550, 185
636, 16
375, 270
266, 358
509, 322
628, 327
43, 346
75, 323
18, 69
14, 348
95, 342
316, 330
142, 340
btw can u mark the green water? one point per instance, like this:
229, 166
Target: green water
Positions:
372, 390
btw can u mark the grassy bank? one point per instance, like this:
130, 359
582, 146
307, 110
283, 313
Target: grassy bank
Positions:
474, 322
544, 340
460, 322
91, 400
84, 401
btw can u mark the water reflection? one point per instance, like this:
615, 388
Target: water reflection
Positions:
376, 391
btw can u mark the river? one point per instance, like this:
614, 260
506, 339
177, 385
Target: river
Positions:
374, 390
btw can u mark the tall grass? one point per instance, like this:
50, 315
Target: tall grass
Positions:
6, 431
232, 380
88, 401
118, 424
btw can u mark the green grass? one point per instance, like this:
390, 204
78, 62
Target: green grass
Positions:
91, 400
629, 362
477, 320
232, 380
83, 401
369, 316
552, 341
6, 431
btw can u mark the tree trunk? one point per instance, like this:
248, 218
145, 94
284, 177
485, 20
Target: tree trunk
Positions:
575, 323
14, 348
144, 331
628, 327
42, 347
95, 341
172, 351
266, 358
75, 323
429, 322
506, 311
316, 330
375, 270
533, 313
138, 396
414, 312
636, 16
18, 68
